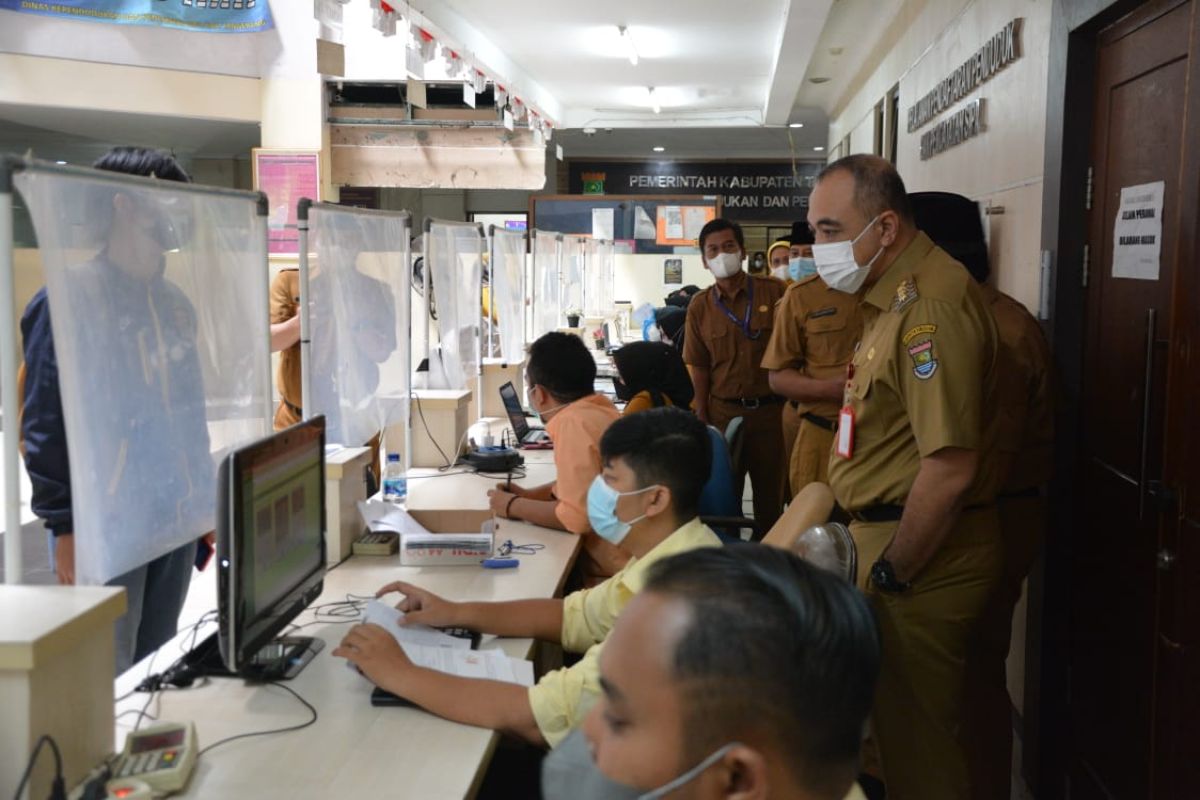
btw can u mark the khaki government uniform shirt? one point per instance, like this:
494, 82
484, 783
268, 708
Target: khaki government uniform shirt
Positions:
562, 698
816, 329
714, 342
924, 377
285, 304
1024, 397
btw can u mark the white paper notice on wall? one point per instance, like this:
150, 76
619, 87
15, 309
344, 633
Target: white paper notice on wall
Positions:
1137, 234
602, 223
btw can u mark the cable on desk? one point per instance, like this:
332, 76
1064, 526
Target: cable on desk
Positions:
288, 729
58, 790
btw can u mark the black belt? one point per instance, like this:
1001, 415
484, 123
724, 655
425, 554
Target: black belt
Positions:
881, 513
820, 422
752, 403
1032, 491
885, 512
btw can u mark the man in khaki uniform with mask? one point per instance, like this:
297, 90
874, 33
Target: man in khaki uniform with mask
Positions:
1024, 425
816, 329
912, 436
728, 327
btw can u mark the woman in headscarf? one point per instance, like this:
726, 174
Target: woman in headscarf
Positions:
649, 375
777, 259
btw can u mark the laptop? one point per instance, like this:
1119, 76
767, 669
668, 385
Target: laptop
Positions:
526, 436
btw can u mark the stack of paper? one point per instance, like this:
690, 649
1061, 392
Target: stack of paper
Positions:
380, 516
432, 649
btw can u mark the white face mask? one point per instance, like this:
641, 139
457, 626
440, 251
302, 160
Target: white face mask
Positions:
779, 272
725, 265
836, 264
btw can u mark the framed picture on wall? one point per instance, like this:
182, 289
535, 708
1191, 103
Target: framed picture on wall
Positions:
285, 176
673, 271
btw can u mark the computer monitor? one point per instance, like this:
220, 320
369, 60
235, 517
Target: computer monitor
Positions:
271, 555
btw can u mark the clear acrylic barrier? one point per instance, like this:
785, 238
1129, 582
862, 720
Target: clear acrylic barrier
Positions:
158, 298
508, 292
454, 256
599, 274
574, 255
547, 254
358, 310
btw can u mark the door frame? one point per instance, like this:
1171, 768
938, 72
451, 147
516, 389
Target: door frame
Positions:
1071, 85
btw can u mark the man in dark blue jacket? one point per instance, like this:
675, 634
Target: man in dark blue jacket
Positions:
151, 383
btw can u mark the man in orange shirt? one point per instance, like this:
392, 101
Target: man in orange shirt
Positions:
561, 375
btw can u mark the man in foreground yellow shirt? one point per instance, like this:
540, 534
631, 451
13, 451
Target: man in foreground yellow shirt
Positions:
738, 672
655, 465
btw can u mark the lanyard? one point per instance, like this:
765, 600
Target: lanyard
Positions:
744, 324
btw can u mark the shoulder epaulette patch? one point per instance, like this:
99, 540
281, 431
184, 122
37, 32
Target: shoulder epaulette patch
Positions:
906, 295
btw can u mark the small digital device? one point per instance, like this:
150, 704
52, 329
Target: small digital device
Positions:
161, 756
525, 434
271, 565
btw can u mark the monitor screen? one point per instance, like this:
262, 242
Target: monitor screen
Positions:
512, 407
271, 534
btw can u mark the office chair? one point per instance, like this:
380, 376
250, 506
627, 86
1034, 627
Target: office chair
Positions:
720, 502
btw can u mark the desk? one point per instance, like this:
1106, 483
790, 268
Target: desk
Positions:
356, 749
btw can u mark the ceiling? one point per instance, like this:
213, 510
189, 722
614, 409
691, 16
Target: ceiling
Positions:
79, 136
700, 143
852, 31
711, 62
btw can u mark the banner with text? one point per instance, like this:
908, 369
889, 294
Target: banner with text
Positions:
752, 191
211, 16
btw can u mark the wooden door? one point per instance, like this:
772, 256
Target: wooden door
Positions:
1138, 138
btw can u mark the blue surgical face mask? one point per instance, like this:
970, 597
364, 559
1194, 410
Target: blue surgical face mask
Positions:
801, 268
570, 772
602, 511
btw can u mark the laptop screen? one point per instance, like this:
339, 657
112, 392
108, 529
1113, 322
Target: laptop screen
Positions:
512, 406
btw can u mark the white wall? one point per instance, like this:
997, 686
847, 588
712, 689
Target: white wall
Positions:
1003, 165
639, 279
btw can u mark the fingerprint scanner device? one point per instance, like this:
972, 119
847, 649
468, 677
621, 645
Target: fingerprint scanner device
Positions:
271, 546
161, 756
516, 417
493, 459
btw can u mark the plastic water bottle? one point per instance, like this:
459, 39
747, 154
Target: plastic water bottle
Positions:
395, 482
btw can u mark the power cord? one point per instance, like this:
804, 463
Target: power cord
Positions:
58, 790
288, 729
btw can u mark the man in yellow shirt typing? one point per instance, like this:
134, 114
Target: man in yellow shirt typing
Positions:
655, 465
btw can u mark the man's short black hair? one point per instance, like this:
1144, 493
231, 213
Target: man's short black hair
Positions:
666, 447
721, 224
561, 364
143, 161
878, 187
775, 646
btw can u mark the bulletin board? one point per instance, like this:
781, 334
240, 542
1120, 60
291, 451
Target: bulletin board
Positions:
285, 176
653, 224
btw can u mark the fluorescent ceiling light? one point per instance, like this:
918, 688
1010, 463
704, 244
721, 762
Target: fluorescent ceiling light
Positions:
796, 125
654, 100
630, 50
659, 148
60, 162
819, 148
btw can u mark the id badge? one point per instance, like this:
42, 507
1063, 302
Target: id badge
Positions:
845, 432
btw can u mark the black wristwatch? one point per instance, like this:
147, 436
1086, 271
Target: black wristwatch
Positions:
883, 575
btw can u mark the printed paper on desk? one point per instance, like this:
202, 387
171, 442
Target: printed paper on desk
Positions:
389, 618
380, 516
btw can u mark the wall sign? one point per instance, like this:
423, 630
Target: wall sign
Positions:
963, 124
996, 54
752, 191
1137, 233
